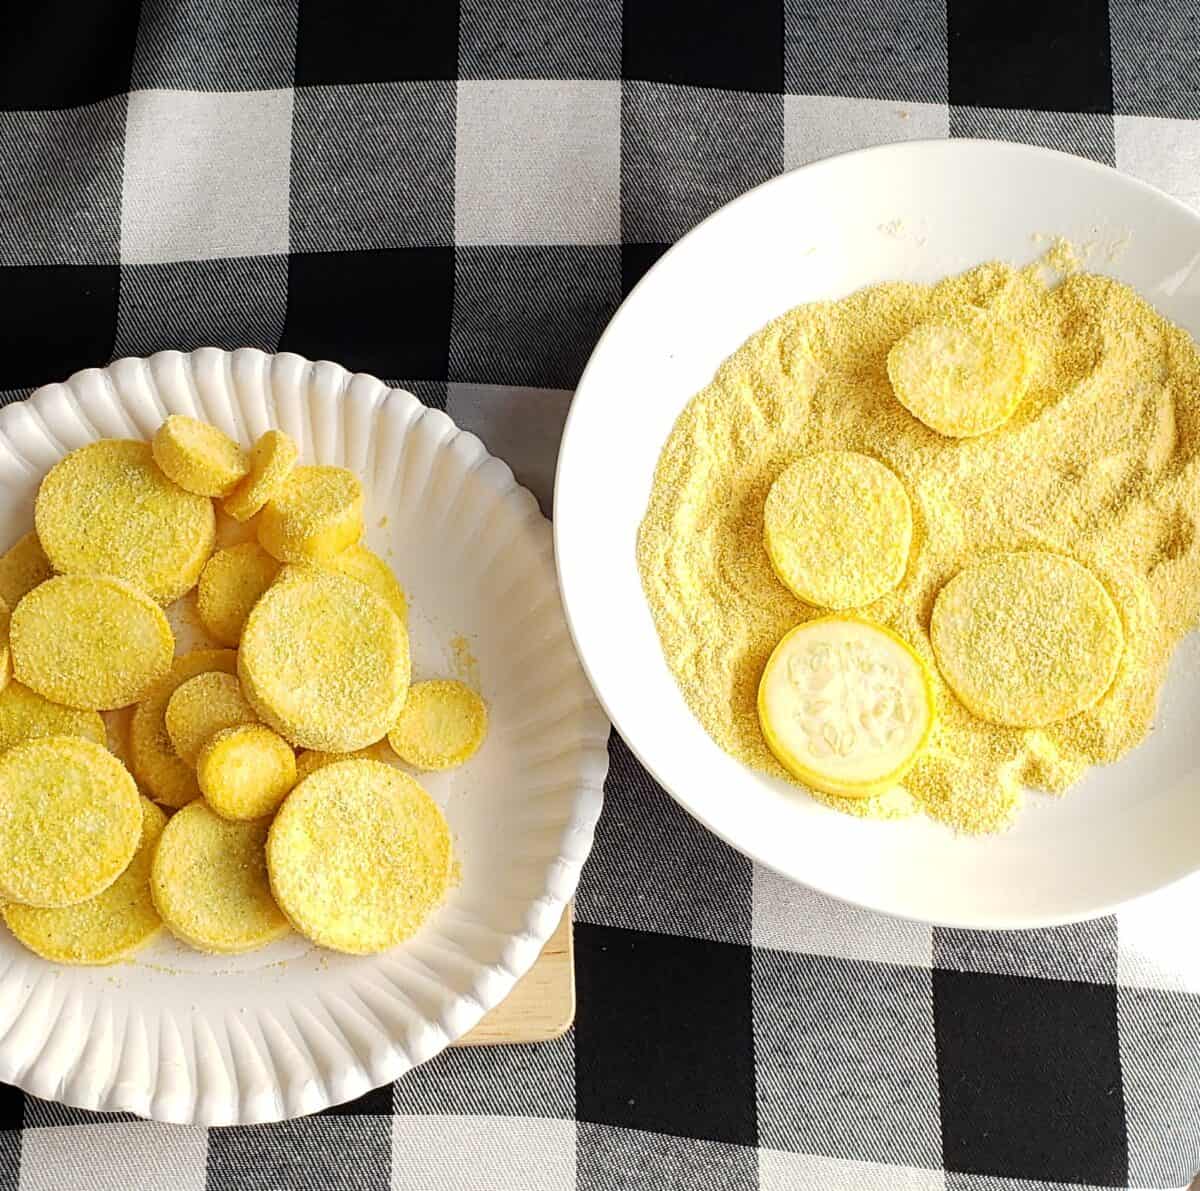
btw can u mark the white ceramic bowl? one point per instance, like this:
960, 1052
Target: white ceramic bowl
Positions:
915, 211
181, 1036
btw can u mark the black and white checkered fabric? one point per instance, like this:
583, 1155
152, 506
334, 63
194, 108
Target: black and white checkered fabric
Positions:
455, 197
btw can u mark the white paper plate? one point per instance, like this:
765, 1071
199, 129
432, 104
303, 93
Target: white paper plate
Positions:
915, 211
181, 1036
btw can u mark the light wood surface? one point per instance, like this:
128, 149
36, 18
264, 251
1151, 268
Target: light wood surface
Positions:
542, 1004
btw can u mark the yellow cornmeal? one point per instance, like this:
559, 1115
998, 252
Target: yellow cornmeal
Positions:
1099, 462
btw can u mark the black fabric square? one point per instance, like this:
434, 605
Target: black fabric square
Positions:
363, 41
866, 49
12, 1107
1029, 1073
238, 45
705, 43
655, 868
663, 1036
1156, 58
539, 39
372, 166
386, 312
60, 185
609, 1159
228, 302
1030, 54
59, 54
58, 319
685, 151
636, 260
375, 1103
530, 315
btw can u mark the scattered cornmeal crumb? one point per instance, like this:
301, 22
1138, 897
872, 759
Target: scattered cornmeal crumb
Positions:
324, 661
209, 882
466, 664
230, 585
107, 508
25, 715
271, 461
837, 527
200, 708
359, 855
1100, 462
198, 457
22, 567
245, 772
316, 515
105, 928
165, 777
70, 820
90, 641
359, 563
442, 725
1026, 638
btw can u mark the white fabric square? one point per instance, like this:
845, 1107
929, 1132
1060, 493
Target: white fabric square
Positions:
206, 175
791, 917
538, 161
519, 425
817, 126
781, 1171
1163, 151
479, 1153
115, 1157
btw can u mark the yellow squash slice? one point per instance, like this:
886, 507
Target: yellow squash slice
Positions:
107, 508
90, 641
360, 563
961, 376
152, 757
209, 883
198, 457
200, 708
1027, 638
837, 528
846, 706
105, 928
246, 772
70, 820
441, 726
271, 461
230, 585
25, 715
359, 855
22, 567
324, 661
316, 515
